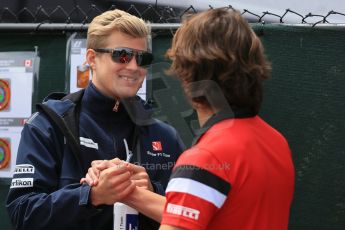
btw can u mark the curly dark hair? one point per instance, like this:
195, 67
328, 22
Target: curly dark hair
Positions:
219, 45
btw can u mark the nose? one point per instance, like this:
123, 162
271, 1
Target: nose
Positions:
132, 64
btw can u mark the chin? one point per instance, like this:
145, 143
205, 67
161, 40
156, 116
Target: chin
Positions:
127, 95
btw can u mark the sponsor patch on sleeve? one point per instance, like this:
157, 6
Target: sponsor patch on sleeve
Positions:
183, 211
22, 183
24, 168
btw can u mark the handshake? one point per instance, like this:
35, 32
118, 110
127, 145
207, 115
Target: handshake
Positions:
114, 181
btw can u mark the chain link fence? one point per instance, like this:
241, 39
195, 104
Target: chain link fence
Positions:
153, 13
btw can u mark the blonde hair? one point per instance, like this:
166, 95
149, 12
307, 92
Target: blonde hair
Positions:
115, 20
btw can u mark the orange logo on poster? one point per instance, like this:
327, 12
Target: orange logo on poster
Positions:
5, 153
5, 94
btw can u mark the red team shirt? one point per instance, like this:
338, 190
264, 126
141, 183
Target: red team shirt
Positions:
239, 175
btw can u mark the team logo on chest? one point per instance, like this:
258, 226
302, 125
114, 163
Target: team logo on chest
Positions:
157, 150
157, 146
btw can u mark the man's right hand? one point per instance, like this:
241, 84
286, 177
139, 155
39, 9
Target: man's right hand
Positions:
93, 173
113, 183
138, 173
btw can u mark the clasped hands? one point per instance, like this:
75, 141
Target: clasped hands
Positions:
114, 180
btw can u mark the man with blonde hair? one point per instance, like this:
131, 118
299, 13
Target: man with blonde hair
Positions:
49, 195
239, 173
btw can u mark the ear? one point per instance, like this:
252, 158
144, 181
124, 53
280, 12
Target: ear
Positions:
205, 107
90, 58
196, 105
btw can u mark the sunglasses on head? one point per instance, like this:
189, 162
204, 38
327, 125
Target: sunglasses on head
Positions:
125, 55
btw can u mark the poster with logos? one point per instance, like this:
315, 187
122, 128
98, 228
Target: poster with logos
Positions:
17, 73
79, 72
